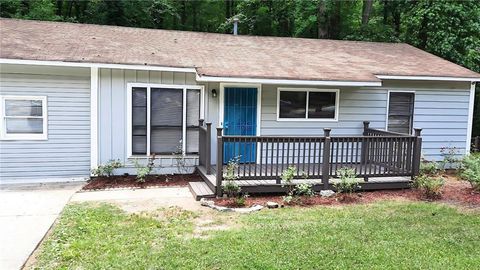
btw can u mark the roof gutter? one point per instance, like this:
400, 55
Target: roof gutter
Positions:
94, 65
286, 82
427, 78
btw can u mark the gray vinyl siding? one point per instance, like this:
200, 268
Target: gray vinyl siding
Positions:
112, 106
66, 153
441, 110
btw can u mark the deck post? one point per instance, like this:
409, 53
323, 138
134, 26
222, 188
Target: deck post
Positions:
326, 158
417, 153
219, 175
363, 156
208, 147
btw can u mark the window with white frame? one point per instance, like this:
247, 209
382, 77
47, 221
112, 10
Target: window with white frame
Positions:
24, 118
307, 104
164, 119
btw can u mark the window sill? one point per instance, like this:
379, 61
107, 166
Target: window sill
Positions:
24, 137
305, 120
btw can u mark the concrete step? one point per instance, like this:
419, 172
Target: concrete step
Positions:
200, 190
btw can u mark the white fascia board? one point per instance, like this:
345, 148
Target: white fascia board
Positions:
97, 65
428, 78
285, 82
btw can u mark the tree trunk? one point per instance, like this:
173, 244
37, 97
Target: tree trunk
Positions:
335, 21
321, 20
183, 16
59, 7
366, 10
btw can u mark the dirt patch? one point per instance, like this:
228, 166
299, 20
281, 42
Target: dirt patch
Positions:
129, 181
455, 192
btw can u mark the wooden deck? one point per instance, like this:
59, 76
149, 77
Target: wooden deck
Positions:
255, 185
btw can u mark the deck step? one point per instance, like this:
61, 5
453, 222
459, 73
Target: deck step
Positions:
200, 190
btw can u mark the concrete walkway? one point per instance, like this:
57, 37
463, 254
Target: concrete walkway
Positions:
136, 200
26, 215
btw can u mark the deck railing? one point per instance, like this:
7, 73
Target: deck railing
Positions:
377, 153
205, 145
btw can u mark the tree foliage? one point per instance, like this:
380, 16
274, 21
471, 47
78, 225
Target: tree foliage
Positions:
449, 29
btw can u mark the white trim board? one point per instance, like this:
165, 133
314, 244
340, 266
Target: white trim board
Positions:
23, 136
283, 82
97, 65
221, 101
93, 117
428, 78
470, 118
388, 105
308, 90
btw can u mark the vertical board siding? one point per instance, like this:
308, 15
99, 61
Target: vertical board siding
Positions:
66, 153
441, 110
113, 112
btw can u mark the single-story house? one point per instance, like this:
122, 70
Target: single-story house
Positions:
74, 96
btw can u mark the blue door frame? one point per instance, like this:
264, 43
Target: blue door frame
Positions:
240, 118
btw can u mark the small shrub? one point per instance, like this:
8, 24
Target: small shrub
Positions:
304, 190
347, 183
241, 201
231, 188
287, 176
179, 157
431, 186
144, 170
428, 168
470, 170
450, 160
107, 169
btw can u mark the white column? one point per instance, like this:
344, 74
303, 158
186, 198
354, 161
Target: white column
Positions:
470, 118
93, 117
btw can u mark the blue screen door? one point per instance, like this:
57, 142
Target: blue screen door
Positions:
240, 118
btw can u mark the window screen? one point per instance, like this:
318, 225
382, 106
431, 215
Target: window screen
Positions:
166, 120
400, 112
193, 115
139, 121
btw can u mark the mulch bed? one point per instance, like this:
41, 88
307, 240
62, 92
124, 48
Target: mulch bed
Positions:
455, 192
129, 181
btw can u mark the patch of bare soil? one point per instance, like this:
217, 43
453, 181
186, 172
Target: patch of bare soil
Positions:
455, 192
129, 181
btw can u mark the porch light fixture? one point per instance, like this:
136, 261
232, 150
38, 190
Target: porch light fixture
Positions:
214, 93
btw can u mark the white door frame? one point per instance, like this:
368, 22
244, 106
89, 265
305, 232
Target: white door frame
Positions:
221, 105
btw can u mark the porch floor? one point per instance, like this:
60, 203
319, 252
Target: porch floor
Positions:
252, 183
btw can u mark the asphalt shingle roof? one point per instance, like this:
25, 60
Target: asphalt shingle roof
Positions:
220, 55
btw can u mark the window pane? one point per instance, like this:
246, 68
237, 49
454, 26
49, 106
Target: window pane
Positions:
166, 120
166, 107
400, 112
23, 107
192, 140
139, 121
24, 125
193, 107
321, 105
292, 104
165, 140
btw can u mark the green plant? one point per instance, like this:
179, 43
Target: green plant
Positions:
470, 170
144, 170
231, 188
287, 176
304, 189
431, 186
241, 200
107, 169
179, 157
347, 181
428, 167
450, 160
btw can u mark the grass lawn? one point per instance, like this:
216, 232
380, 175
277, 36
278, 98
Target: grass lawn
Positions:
383, 235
